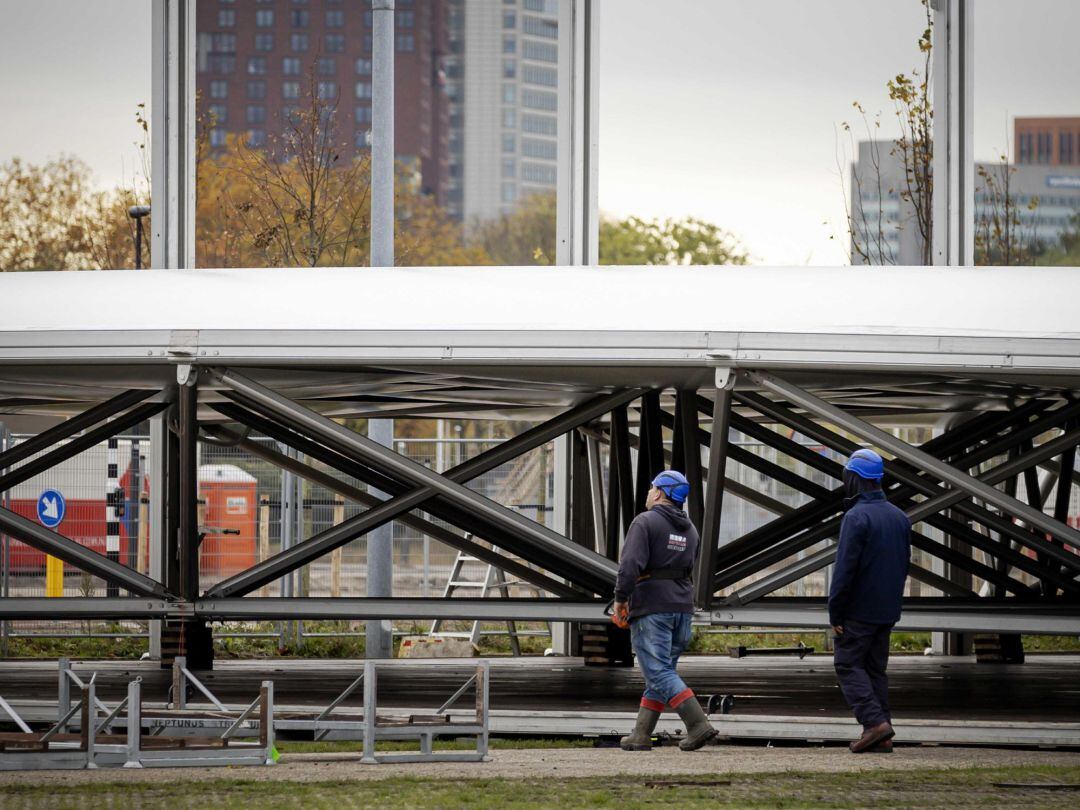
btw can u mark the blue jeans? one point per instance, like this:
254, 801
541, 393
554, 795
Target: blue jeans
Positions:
659, 639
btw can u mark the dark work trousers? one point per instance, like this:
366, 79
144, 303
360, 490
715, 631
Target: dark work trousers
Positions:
861, 656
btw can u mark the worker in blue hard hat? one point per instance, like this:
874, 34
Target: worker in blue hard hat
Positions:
654, 596
865, 596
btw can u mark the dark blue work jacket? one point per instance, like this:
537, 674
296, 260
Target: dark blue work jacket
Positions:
871, 562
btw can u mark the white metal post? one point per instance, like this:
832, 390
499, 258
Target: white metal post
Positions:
953, 132
378, 640
172, 134
577, 224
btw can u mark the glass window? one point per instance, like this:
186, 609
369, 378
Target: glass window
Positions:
226, 18
1026, 119
363, 67
509, 19
509, 167
509, 45
534, 74
217, 138
539, 27
264, 17
256, 65
264, 42
256, 89
219, 114
539, 124
256, 114
509, 192
534, 148
335, 43
509, 142
363, 89
327, 91
256, 138
509, 94
404, 19
298, 42
790, 165
509, 117
290, 90
362, 139
540, 51
363, 115
300, 18
290, 66
335, 18
219, 89
406, 43
509, 69
326, 66
540, 100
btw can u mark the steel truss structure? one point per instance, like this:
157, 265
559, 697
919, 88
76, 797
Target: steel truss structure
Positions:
998, 563
284, 353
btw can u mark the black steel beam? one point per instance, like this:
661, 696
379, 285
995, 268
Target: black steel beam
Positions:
432, 530
686, 422
393, 486
69, 427
188, 469
620, 448
138, 414
959, 438
78, 555
921, 460
271, 609
426, 483
719, 448
650, 458
927, 510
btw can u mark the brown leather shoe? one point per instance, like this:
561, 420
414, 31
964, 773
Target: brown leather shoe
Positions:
883, 747
871, 737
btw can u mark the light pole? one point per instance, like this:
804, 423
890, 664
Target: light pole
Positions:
138, 213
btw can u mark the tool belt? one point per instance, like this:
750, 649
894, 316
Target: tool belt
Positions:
666, 573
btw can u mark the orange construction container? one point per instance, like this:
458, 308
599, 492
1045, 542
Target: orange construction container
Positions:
230, 503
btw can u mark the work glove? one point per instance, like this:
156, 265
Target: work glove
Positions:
620, 615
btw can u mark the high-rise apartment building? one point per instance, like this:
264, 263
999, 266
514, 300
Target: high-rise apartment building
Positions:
260, 60
502, 82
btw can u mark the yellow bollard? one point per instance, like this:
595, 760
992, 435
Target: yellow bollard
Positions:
54, 576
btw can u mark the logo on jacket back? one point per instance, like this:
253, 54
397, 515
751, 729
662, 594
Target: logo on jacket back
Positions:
676, 542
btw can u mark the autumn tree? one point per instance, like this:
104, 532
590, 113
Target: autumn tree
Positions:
296, 201
527, 236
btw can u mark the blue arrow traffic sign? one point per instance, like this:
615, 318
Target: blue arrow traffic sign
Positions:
50, 508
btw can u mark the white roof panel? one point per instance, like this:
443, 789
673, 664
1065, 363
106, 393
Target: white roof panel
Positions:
1017, 302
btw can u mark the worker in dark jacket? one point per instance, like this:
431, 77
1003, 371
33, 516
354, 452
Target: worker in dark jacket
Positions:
654, 593
865, 597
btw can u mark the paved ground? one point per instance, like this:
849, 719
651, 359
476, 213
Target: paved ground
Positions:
566, 763
1044, 688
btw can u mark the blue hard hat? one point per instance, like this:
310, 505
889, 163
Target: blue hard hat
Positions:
673, 484
866, 464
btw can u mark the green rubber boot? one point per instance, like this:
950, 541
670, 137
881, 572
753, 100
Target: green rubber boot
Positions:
640, 739
698, 729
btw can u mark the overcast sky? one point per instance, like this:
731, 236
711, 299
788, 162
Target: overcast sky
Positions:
723, 109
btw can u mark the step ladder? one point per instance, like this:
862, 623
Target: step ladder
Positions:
494, 580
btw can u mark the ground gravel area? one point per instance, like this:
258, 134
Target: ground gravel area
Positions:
571, 763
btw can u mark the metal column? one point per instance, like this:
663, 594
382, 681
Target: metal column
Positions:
172, 132
378, 638
953, 131
714, 494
